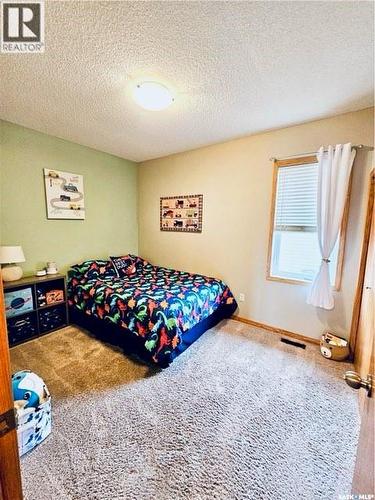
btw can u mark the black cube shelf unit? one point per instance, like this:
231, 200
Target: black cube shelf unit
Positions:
35, 306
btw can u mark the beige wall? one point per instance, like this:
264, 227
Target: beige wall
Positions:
236, 180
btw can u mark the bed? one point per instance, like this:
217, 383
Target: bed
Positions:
151, 312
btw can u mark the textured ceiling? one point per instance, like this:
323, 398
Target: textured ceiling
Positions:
236, 67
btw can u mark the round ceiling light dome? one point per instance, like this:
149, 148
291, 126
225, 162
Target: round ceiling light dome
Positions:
152, 96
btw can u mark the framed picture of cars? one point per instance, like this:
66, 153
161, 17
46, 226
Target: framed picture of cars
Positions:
65, 197
181, 213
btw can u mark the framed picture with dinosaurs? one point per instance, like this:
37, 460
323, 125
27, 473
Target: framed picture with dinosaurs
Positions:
181, 213
64, 195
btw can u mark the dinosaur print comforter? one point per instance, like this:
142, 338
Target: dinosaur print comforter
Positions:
159, 305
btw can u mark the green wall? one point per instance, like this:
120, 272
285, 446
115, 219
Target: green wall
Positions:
110, 185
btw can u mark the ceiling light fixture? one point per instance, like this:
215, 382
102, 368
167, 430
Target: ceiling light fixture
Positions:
152, 96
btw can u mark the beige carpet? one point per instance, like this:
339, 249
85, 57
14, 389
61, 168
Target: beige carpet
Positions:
238, 416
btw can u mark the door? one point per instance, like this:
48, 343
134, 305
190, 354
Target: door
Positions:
363, 480
10, 474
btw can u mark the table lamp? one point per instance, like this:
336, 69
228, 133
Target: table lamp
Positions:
11, 256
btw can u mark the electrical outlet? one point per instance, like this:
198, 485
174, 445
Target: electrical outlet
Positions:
242, 297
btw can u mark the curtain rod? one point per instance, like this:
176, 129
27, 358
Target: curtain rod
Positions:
356, 146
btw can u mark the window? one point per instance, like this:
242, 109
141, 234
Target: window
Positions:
294, 254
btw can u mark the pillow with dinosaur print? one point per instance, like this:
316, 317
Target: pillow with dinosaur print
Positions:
95, 269
139, 262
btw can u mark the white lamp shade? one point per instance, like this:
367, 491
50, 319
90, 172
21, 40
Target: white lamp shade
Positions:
11, 255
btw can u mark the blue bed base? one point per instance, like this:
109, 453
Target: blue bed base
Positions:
133, 345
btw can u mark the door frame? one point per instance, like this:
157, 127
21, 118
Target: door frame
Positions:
10, 472
363, 482
362, 267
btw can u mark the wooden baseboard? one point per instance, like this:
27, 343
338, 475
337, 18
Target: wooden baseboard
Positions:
278, 331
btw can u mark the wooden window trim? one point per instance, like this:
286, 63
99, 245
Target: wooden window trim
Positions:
291, 162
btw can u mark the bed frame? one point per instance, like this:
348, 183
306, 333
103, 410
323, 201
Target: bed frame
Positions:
133, 345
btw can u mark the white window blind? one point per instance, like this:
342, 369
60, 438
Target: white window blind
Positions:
295, 247
296, 197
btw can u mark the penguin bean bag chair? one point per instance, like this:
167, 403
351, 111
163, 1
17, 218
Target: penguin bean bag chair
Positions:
32, 402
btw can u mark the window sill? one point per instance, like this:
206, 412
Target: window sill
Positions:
295, 281
288, 280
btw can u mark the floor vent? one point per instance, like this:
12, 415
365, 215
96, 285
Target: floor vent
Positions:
292, 342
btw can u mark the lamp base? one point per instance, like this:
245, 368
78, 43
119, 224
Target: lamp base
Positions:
11, 273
